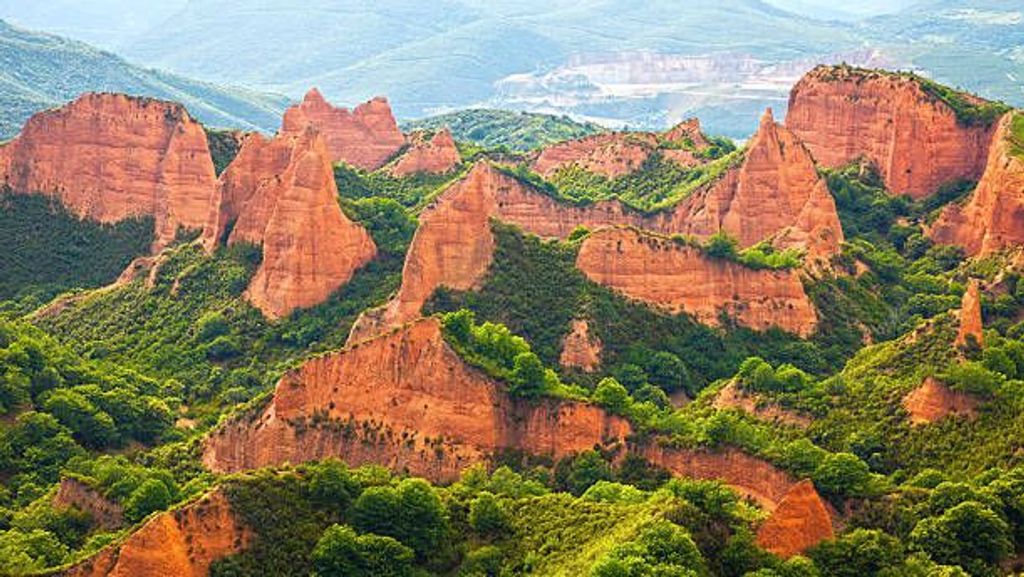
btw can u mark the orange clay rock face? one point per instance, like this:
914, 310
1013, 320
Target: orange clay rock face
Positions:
680, 278
183, 542
775, 195
970, 316
108, 157
915, 140
281, 194
750, 476
434, 155
366, 137
104, 512
619, 153
932, 401
800, 522
733, 397
993, 217
404, 400
580, 349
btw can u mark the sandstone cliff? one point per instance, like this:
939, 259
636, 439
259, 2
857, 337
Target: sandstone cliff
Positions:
750, 476
580, 349
108, 157
434, 155
407, 401
915, 140
681, 278
970, 316
183, 542
280, 194
993, 217
800, 522
932, 401
366, 137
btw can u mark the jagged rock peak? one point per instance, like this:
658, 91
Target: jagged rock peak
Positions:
435, 155
366, 137
993, 218
970, 316
280, 194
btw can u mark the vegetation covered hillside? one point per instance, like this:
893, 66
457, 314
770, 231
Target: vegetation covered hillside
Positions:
886, 439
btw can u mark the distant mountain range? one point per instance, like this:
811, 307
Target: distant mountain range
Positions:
617, 62
38, 71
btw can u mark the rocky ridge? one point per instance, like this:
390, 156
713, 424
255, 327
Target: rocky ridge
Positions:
681, 278
182, 542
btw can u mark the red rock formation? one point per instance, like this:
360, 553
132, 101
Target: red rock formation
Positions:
733, 397
281, 194
619, 153
750, 476
108, 157
993, 217
970, 316
681, 278
843, 114
366, 137
800, 522
610, 155
105, 513
932, 401
774, 195
404, 400
580, 349
184, 543
436, 155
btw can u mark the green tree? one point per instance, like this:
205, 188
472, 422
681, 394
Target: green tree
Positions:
151, 495
721, 245
337, 553
842, 474
587, 468
858, 553
611, 395
487, 516
528, 375
667, 371
969, 535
